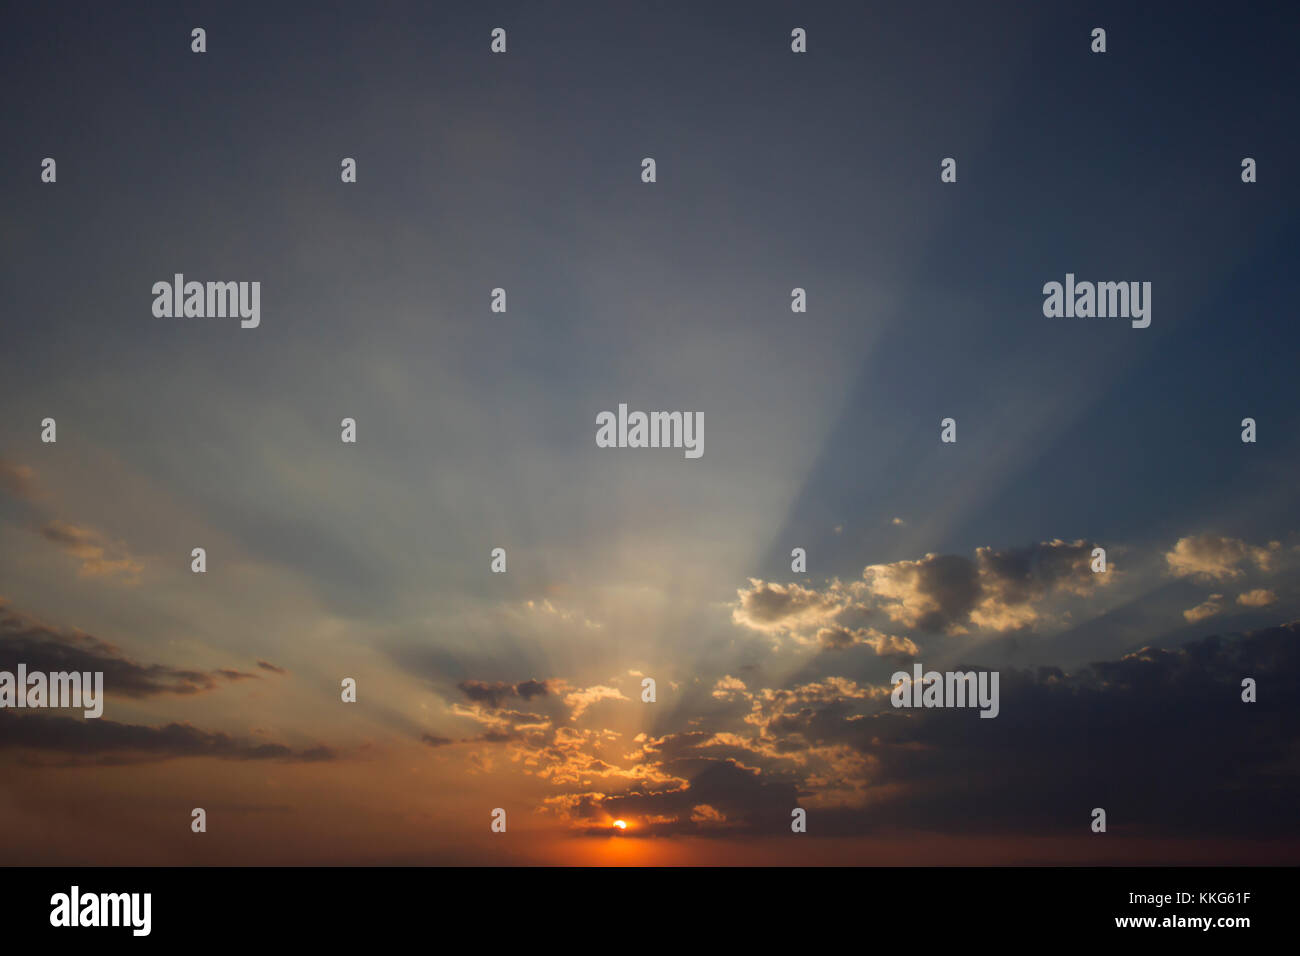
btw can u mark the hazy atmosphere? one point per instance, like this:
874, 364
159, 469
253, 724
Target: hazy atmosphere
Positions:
475, 429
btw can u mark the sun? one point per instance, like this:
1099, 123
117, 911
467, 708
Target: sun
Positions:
621, 824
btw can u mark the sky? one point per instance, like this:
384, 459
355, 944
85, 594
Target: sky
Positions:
523, 690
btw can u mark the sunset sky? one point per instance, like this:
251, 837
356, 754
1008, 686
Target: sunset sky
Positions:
476, 430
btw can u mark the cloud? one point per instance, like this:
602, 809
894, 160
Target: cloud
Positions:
1207, 608
531, 688
42, 648
705, 815
17, 480
1056, 730
579, 700
720, 796
1211, 557
997, 591
107, 741
932, 594
1160, 732
268, 666
727, 687
229, 673
1260, 597
1015, 581
98, 556
545, 606
777, 607
495, 694
839, 638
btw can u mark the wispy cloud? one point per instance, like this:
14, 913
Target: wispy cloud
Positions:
43, 648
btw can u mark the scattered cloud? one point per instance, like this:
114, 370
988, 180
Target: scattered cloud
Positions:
995, 591
1207, 608
43, 648
579, 701
1210, 557
99, 557
495, 694
1259, 597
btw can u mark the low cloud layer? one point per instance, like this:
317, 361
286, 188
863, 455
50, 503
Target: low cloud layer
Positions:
23, 639
1160, 738
103, 741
